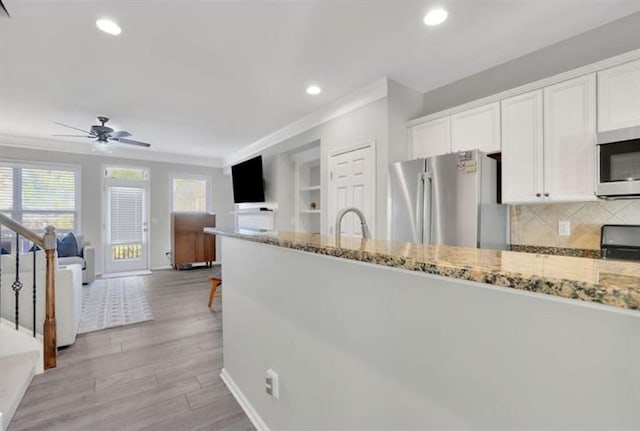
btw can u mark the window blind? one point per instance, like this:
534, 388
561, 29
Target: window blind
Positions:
6, 188
48, 190
189, 194
126, 216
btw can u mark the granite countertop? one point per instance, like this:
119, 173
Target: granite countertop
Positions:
611, 283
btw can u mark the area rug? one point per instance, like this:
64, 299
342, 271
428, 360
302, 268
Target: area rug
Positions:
113, 302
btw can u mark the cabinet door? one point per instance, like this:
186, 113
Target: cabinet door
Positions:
522, 153
570, 140
477, 128
619, 97
432, 138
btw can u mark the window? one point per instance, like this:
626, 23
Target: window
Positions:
190, 193
126, 173
38, 196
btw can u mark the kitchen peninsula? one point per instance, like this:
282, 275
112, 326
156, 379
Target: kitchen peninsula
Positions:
384, 335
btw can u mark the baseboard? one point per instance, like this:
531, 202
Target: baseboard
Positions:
251, 413
125, 274
161, 267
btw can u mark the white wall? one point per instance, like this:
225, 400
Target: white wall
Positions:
364, 124
383, 121
607, 41
367, 347
91, 195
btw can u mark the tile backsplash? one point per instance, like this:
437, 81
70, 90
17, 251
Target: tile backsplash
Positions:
537, 224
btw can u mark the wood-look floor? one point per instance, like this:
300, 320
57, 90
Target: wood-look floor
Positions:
158, 375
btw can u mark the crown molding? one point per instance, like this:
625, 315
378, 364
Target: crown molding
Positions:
555, 79
352, 101
45, 144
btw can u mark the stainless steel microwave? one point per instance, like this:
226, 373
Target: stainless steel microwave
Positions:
619, 163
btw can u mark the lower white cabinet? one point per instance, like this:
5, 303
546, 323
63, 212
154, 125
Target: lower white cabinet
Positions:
431, 138
549, 144
522, 148
570, 140
477, 128
619, 97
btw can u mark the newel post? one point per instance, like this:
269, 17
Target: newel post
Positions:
49, 330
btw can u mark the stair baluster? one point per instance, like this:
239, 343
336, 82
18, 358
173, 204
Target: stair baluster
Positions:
48, 243
17, 284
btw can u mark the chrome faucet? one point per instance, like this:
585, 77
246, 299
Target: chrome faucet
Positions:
363, 222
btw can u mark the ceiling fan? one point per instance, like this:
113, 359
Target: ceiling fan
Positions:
104, 136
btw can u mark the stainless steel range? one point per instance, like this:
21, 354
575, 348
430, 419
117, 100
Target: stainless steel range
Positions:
620, 242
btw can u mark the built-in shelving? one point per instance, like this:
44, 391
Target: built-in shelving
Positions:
308, 205
310, 188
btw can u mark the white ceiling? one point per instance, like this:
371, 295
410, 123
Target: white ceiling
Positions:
206, 78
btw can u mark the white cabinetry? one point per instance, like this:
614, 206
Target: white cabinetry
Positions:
522, 148
570, 140
477, 128
432, 138
619, 97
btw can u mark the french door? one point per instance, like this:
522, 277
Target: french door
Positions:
126, 227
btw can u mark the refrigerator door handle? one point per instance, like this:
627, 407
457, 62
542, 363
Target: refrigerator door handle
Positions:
427, 208
420, 207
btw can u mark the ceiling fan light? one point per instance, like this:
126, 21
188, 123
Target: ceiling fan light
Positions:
103, 146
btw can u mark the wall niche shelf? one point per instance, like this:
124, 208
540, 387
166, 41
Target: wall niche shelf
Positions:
307, 190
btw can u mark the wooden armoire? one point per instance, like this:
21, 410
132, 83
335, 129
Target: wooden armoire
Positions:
189, 243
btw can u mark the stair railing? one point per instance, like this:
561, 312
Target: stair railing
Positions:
48, 243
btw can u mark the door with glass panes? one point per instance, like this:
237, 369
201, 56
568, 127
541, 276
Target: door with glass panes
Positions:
126, 219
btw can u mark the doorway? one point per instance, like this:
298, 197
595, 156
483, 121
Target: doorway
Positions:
352, 184
126, 195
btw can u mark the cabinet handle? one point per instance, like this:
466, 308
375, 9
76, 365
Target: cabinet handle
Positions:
538, 195
546, 194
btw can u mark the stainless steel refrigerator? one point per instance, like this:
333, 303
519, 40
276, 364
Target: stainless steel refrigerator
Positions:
449, 199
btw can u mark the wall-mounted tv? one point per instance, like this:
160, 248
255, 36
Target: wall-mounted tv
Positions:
248, 185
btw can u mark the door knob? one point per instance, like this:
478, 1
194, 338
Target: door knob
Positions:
538, 195
546, 194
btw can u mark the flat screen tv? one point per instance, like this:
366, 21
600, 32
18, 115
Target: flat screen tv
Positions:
248, 185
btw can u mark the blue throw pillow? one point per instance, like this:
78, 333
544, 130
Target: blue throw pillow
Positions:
34, 248
68, 246
3, 251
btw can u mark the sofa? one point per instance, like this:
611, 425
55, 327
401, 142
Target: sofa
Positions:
68, 292
86, 258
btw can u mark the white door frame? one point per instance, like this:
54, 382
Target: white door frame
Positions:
146, 185
347, 149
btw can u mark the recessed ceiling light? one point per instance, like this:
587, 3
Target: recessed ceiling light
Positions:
313, 90
108, 26
435, 17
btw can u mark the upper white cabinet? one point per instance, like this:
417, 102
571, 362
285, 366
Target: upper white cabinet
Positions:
619, 97
570, 140
522, 148
477, 128
432, 138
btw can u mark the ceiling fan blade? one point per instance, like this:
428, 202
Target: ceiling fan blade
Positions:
132, 142
71, 127
120, 134
75, 136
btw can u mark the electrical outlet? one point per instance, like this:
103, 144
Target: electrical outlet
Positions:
272, 384
564, 228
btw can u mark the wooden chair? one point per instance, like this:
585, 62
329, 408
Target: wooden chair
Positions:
216, 280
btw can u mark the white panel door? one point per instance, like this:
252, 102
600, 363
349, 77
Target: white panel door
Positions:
522, 148
570, 140
619, 97
126, 247
432, 138
477, 128
352, 184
